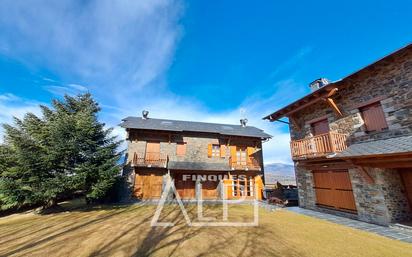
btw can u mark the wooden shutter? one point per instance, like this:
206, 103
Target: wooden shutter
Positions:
233, 153
181, 148
209, 150
373, 117
222, 151
250, 152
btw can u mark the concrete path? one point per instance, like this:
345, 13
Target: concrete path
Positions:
404, 235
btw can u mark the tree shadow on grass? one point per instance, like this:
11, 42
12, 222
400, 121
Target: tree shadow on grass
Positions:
73, 225
219, 241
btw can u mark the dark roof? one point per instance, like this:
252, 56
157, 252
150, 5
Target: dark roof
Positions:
176, 165
191, 126
380, 147
313, 96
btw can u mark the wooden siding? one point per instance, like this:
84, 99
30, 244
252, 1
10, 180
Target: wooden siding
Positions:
334, 189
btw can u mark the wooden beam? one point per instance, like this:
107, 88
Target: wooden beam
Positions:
333, 106
369, 179
332, 92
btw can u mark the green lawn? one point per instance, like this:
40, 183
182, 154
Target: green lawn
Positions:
126, 231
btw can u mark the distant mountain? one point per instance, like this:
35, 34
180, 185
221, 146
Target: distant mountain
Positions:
280, 172
280, 169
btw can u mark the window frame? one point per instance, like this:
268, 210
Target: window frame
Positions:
215, 151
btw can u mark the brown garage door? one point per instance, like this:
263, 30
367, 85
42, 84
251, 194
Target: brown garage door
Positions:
148, 186
185, 188
334, 189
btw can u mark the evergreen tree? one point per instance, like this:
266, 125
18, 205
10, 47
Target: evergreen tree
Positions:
48, 158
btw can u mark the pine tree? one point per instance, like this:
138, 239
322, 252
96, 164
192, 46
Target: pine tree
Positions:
48, 158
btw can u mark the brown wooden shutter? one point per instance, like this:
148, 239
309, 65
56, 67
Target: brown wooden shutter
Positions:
223, 151
373, 117
181, 148
209, 150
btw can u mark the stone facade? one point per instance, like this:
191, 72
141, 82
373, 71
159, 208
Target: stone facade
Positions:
390, 82
196, 146
196, 152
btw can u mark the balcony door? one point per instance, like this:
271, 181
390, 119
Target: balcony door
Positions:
320, 127
241, 155
152, 151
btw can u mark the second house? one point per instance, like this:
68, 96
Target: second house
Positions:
193, 153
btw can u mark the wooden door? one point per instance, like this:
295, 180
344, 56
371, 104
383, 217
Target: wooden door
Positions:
241, 155
334, 189
406, 176
320, 127
185, 188
152, 150
243, 186
209, 189
148, 186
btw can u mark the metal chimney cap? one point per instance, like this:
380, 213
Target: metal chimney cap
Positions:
145, 114
243, 122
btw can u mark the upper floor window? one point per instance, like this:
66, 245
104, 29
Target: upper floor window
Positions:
320, 127
214, 150
373, 117
181, 148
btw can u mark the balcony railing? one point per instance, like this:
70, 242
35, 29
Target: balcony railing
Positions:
150, 160
250, 164
318, 146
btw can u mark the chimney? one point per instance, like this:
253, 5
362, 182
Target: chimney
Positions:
145, 114
243, 122
315, 85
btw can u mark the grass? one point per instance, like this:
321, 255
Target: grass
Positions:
126, 231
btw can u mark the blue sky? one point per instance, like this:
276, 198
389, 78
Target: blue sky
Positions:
197, 60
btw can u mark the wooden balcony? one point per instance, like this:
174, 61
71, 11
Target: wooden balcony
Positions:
251, 164
318, 146
150, 160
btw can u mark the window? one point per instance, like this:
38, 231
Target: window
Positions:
373, 117
215, 150
242, 186
181, 148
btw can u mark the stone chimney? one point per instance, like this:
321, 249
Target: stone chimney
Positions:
315, 85
145, 114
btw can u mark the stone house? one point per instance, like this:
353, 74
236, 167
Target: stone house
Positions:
203, 160
351, 142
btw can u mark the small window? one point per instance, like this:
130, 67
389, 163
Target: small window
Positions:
215, 150
373, 117
181, 148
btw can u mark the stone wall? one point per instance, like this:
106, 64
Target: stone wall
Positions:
196, 146
381, 202
390, 81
